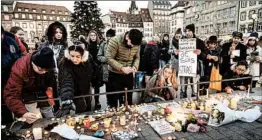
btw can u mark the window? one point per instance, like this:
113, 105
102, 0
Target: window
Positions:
19, 9
59, 12
250, 27
232, 11
45, 18
259, 27
252, 3
38, 17
211, 28
34, 10
39, 26
196, 30
243, 16
57, 18
43, 11
26, 9
53, 12
251, 12
260, 2
23, 15
30, 16
66, 13
242, 28
260, 13
31, 25
17, 24
24, 25
243, 4
5, 8
6, 17
51, 18
45, 26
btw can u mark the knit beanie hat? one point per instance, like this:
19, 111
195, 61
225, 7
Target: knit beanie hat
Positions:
253, 35
178, 31
237, 34
191, 27
44, 58
212, 39
110, 33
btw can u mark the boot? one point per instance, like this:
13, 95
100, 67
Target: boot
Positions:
97, 106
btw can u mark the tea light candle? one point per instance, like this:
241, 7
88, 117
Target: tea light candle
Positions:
77, 119
106, 130
233, 103
63, 120
58, 119
139, 129
45, 133
82, 130
78, 127
28, 132
149, 113
53, 119
169, 138
123, 120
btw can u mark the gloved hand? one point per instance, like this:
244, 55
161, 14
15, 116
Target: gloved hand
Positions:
65, 108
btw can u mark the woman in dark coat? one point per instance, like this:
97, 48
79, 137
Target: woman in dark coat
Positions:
75, 78
164, 47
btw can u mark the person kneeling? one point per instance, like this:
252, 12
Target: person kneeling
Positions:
32, 78
239, 70
165, 77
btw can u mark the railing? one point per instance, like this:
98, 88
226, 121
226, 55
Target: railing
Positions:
143, 89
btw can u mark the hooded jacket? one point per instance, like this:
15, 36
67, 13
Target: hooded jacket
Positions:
57, 46
118, 55
25, 86
164, 47
74, 79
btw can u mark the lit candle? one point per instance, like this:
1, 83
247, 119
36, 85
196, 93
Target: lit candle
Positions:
149, 114
37, 132
123, 120
233, 103
248, 92
107, 122
86, 123
77, 119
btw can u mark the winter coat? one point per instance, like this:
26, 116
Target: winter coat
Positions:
10, 53
226, 61
234, 84
164, 47
151, 58
208, 64
164, 92
25, 86
26, 46
101, 57
74, 79
255, 66
119, 55
142, 67
93, 49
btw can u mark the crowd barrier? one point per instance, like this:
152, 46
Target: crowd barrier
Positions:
125, 91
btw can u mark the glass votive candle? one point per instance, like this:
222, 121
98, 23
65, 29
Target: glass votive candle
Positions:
86, 123
37, 132
123, 120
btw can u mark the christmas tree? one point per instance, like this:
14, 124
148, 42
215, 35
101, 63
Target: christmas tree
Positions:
86, 17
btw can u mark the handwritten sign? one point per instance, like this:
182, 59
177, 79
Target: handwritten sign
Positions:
162, 127
187, 58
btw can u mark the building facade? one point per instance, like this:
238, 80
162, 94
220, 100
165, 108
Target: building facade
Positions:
134, 18
7, 14
250, 17
35, 18
212, 17
177, 17
160, 13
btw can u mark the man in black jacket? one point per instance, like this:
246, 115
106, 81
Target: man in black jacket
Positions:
201, 55
232, 52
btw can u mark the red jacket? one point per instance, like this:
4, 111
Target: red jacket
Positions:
22, 86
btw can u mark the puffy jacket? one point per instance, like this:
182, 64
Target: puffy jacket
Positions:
119, 55
25, 86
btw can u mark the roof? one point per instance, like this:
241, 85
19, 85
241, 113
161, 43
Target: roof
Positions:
40, 7
134, 18
179, 4
145, 15
161, 3
120, 17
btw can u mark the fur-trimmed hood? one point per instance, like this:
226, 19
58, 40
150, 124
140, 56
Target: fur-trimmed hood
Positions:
50, 34
84, 57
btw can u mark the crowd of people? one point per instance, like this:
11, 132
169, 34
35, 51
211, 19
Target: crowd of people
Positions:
59, 68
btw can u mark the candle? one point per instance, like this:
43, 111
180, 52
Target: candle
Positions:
76, 119
37, 132
123, 120
248, 92
82, 130
71, 123
162, 111
207, 92
139, 129
233, 103
149, 114
107, 122
86, 123
53, 119
63, 120
208, 106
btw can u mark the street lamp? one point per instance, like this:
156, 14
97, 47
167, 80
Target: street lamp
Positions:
254, 17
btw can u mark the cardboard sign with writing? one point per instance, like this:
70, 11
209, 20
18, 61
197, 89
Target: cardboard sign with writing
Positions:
187, 58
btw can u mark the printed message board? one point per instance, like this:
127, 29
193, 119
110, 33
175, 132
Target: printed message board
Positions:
187, 58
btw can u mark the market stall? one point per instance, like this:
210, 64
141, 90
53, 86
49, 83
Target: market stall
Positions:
216, 116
